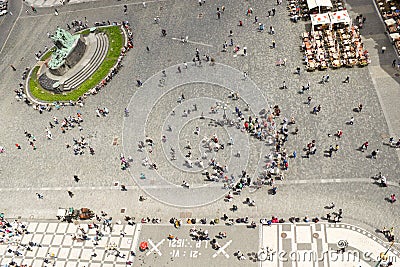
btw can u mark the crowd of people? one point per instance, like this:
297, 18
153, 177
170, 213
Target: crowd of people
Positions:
264, 129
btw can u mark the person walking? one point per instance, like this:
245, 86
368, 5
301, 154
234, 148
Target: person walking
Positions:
374, 154
76, 178
393, 198
347, 80
309, 100
284, 85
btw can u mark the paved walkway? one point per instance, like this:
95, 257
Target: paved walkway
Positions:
301, 244
310, 184
55, 3
307, 245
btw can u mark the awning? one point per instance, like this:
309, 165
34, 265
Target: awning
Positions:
320, 19
318, 3
390, 22
395, 36
340, 17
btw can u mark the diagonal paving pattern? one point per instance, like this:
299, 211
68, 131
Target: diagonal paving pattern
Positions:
300, 244
309, 244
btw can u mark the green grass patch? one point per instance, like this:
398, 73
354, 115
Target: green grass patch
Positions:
47, 54
116, 39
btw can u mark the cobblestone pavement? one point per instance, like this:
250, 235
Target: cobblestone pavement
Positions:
275, 245
310, 183
153, 103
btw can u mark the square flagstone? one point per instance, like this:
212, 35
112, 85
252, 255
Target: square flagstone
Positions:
129, 230
72, 228
47, 239
52, 227
53, 251
303, 234
41, 227
37, 238
103, 241
62, 228
63, 253
114, 240
68, 240
26, 238
60, 263
17, 261
42, 252
91, 231
96, 262
119, 259
3, 249
6, 260
100, 254
71, 263
83, 264
86, 254
57, 240
117, 229
75, 253
78, 244
109, 256
107, 265
32, 227
126, 242
27, 262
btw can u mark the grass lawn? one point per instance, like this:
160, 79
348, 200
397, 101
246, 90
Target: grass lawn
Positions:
116, 39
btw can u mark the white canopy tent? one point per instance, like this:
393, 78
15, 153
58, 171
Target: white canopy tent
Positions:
340, 17
395, 36
320, 19
319, 3
390, 22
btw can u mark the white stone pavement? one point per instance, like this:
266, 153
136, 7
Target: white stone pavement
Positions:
300, 244
306, 244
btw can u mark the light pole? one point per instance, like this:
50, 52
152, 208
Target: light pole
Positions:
224, 108
383, 256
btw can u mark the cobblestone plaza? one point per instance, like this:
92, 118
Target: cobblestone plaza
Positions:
156, 109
